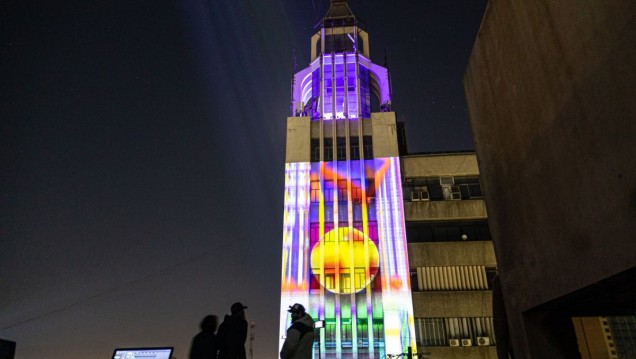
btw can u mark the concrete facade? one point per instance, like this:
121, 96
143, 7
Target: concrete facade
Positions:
551, 92
448, 275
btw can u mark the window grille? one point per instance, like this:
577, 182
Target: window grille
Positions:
451, 278
436, 332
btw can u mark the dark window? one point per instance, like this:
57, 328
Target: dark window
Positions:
435, 191
341, 148
328, 149
469, 187
491, 272
367, 144
447, 232
354, 143
414, 283
442, 188
338, 43
315, 150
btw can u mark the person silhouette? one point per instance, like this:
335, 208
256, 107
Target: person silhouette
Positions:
204, 344
233, 333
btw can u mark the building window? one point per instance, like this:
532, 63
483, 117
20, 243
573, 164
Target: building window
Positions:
354, 144
328, 190
451, 278
623, 330
359, 278
373, 230
330, 334
342, 190
447, 231
345, 282
341, 150
343, 214
363, 335
365, 92
330, 281
338, 43
420, 194
378, 331
315, 94
356, 191
328, 149
367, 147
315, 150
442, 188
346, 335
469, 187
315, 191
443, 332
370, 188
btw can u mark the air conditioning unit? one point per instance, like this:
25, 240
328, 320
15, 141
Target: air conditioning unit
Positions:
483, 341
467, 343
453, 342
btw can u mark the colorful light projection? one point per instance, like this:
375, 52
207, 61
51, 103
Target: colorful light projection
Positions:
340, 90
345, 256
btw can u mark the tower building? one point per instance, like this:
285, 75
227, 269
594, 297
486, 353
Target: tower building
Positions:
344, 243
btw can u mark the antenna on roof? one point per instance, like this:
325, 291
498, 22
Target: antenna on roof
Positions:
293, 81
386, 64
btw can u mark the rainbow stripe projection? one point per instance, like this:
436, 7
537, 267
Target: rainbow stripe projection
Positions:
345, 256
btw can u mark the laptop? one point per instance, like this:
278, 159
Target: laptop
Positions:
143, 353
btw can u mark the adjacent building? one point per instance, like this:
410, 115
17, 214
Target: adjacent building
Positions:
551, 92
451, 256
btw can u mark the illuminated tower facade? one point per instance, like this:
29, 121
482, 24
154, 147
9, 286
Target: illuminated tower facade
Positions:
344, 246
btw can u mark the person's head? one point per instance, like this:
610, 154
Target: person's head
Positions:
209, 323
297, 311
238, 309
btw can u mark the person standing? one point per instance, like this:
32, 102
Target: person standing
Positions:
300, 335
204, 344
233, 333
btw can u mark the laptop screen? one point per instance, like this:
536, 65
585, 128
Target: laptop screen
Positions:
143, 353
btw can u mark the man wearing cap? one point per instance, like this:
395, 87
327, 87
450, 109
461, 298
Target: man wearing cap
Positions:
300, 335
232, 334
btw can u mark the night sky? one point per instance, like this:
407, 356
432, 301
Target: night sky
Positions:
142, 156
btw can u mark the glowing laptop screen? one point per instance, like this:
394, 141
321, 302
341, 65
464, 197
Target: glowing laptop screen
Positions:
143, 353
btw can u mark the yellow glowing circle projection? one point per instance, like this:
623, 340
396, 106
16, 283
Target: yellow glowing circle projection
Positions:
347, 253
